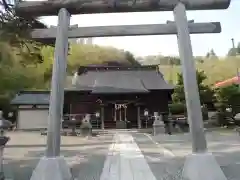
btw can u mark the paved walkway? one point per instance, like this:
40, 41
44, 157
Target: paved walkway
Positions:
85, 156
121, 155
138, 156
125, 161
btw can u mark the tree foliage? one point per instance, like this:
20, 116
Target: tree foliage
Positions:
229, 96
211, 55
15, 31
206, 94
19, 55
131, 59
216, 70
83, 55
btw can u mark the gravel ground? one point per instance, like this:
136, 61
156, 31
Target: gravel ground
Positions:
25, 149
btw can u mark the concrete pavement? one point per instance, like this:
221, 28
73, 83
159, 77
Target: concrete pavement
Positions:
121, 155
85, 157
223, 144
163, 164
125, 161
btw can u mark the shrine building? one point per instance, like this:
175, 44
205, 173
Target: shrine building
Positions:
115, 96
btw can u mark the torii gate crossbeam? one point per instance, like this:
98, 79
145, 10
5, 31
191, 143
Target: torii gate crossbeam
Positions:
127, 30
51, 7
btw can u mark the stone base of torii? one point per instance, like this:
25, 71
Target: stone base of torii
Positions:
54, 168
199, 165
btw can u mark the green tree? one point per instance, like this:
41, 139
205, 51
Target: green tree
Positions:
19, 55
211, 54
15, 31
205, 92
229, 96
129, 57
83, 55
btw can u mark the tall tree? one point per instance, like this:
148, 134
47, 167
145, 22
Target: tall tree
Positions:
211, 54
19, 55
129, 57
205, 92
15, 31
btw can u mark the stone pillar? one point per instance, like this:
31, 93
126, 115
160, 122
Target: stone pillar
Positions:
57, 166
158, 125
115, 112
120, 113
168, 124
125, 113
139, 117
102, 116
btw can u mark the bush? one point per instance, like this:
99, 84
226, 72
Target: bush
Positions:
205, 113
177, 108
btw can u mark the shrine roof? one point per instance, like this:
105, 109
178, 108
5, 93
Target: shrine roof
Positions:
104, 80
121, 79
31, 98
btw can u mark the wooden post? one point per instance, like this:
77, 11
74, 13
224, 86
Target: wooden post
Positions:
139, 117
102, 116
58, 79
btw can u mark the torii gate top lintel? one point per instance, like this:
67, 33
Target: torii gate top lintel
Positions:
52, 7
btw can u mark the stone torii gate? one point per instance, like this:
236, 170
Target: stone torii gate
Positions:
201, 164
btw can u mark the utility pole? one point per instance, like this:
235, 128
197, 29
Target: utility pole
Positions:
233, 43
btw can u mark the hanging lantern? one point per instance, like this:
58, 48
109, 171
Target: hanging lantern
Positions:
73, 119
145, 112
97, 114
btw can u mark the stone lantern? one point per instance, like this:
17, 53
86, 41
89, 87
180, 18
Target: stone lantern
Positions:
158, 124
86, 126
4, 125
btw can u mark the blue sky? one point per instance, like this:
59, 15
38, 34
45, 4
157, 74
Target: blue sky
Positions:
165, 45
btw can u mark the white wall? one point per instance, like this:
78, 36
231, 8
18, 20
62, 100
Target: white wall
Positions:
32, 119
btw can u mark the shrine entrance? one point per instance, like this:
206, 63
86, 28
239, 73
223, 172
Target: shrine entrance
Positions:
120, 116
120, 112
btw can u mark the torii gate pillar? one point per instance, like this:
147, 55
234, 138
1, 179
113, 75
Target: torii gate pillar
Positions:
200, 164
54, 167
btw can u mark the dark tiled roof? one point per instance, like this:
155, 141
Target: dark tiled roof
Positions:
122, 79
108, 79
107, 83
31, 98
